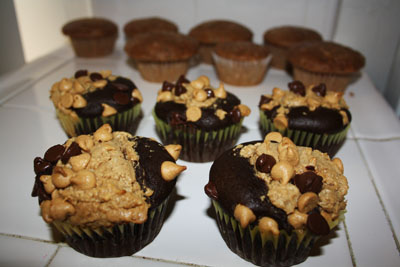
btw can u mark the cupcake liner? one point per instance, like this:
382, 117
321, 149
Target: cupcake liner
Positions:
279, 57
162, 71
266, 249
241, 73
117, 241
198, 145
329, 143
205, 52
124, 121
97, 47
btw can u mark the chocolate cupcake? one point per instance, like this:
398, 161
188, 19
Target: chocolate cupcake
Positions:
311, 117
145, 25
241, 63
279, 40
161, 56
212, 32
92, 37
106, 193
273, 200
203, 119
326, 62
90, 99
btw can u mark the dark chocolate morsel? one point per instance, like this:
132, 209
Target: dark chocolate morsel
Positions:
80, 73
120, 86
182, 79
310, 168
41, 166
317, 224
297, 87
235, 115
319, 90
211, 191
210, 92
54, 153
73, 150
179, 89
95, 76
264, 100
121, 98
167, 86
308, 182
265, 163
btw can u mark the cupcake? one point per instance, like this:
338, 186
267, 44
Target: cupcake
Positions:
203, 119
106, 193
212, 32
326, 62
90, 99
312, 117
273, 199
161, 56
91, 37
279, 40
145, 25
241, 63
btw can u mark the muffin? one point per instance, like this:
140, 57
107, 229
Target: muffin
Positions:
106, 193
212, 32
241, 63
326, 62
273, 199
279, 40
203, 119
312, 117
91, 37
90, 99
161, 56
145, 25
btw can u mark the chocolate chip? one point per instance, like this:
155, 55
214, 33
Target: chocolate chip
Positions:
81, 73
167, 86
265, 163
264, 100
308, 182
120, 86
54, 153
310, 168
317, 224
210, 92
95, 76
211, 191
182, 79
41, 166
319, 90
235, 115
121, 98
297, 87
179, 89
73, 150
176, 119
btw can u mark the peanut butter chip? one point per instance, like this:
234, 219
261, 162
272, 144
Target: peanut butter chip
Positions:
193, 114
205, 80
60, 209
220, 113
345, 119
99, 83
268, 225
174, 150
78, 88
79, 101
169, 170
84, 179
67, 100
220, 91
79, 162
136, 94
244, 110
273, 137
297, 219
105, 73
103, 134
85, 142
197, 84
108, 110
244, 215
45, 208
307, 202
164, 96
339, 164
61, 176
277, 93
65, 84
47, 183
200, 95
280, 122
282, 171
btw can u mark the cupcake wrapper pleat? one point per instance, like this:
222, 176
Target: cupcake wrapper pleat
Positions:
198, 145
117, 241
329, 143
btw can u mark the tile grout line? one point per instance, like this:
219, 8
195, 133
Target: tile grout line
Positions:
352, 256
52, 257
28, 238
167, 261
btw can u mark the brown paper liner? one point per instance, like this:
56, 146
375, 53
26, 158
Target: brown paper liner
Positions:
162, 71
98, 47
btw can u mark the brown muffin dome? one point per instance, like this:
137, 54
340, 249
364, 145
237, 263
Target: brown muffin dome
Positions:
241, 50
90, 28
151, 24
287, 36
326, 57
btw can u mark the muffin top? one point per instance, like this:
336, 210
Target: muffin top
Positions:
312, 109
241, 50
216, 31
288, 36
90, 28
326, 57
151, 24
279, 186
197, 104
92, 94
105, 178
161, 46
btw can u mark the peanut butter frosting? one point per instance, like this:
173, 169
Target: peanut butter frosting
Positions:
92, 180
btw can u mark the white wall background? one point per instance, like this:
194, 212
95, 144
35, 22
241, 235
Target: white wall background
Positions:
370, 26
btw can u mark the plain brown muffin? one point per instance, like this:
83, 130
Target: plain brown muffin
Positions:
91, 37
145, 25
280, 39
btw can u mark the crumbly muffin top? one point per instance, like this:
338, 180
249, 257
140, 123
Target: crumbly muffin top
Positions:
216, 31
242, 51
90, 94
274, 180
151, 24
90, 28
326, 57
288, 36
161, 47
98, 180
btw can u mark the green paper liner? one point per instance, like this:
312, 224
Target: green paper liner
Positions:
328, 143
198, 145
117, 241
124, 121
266, 249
